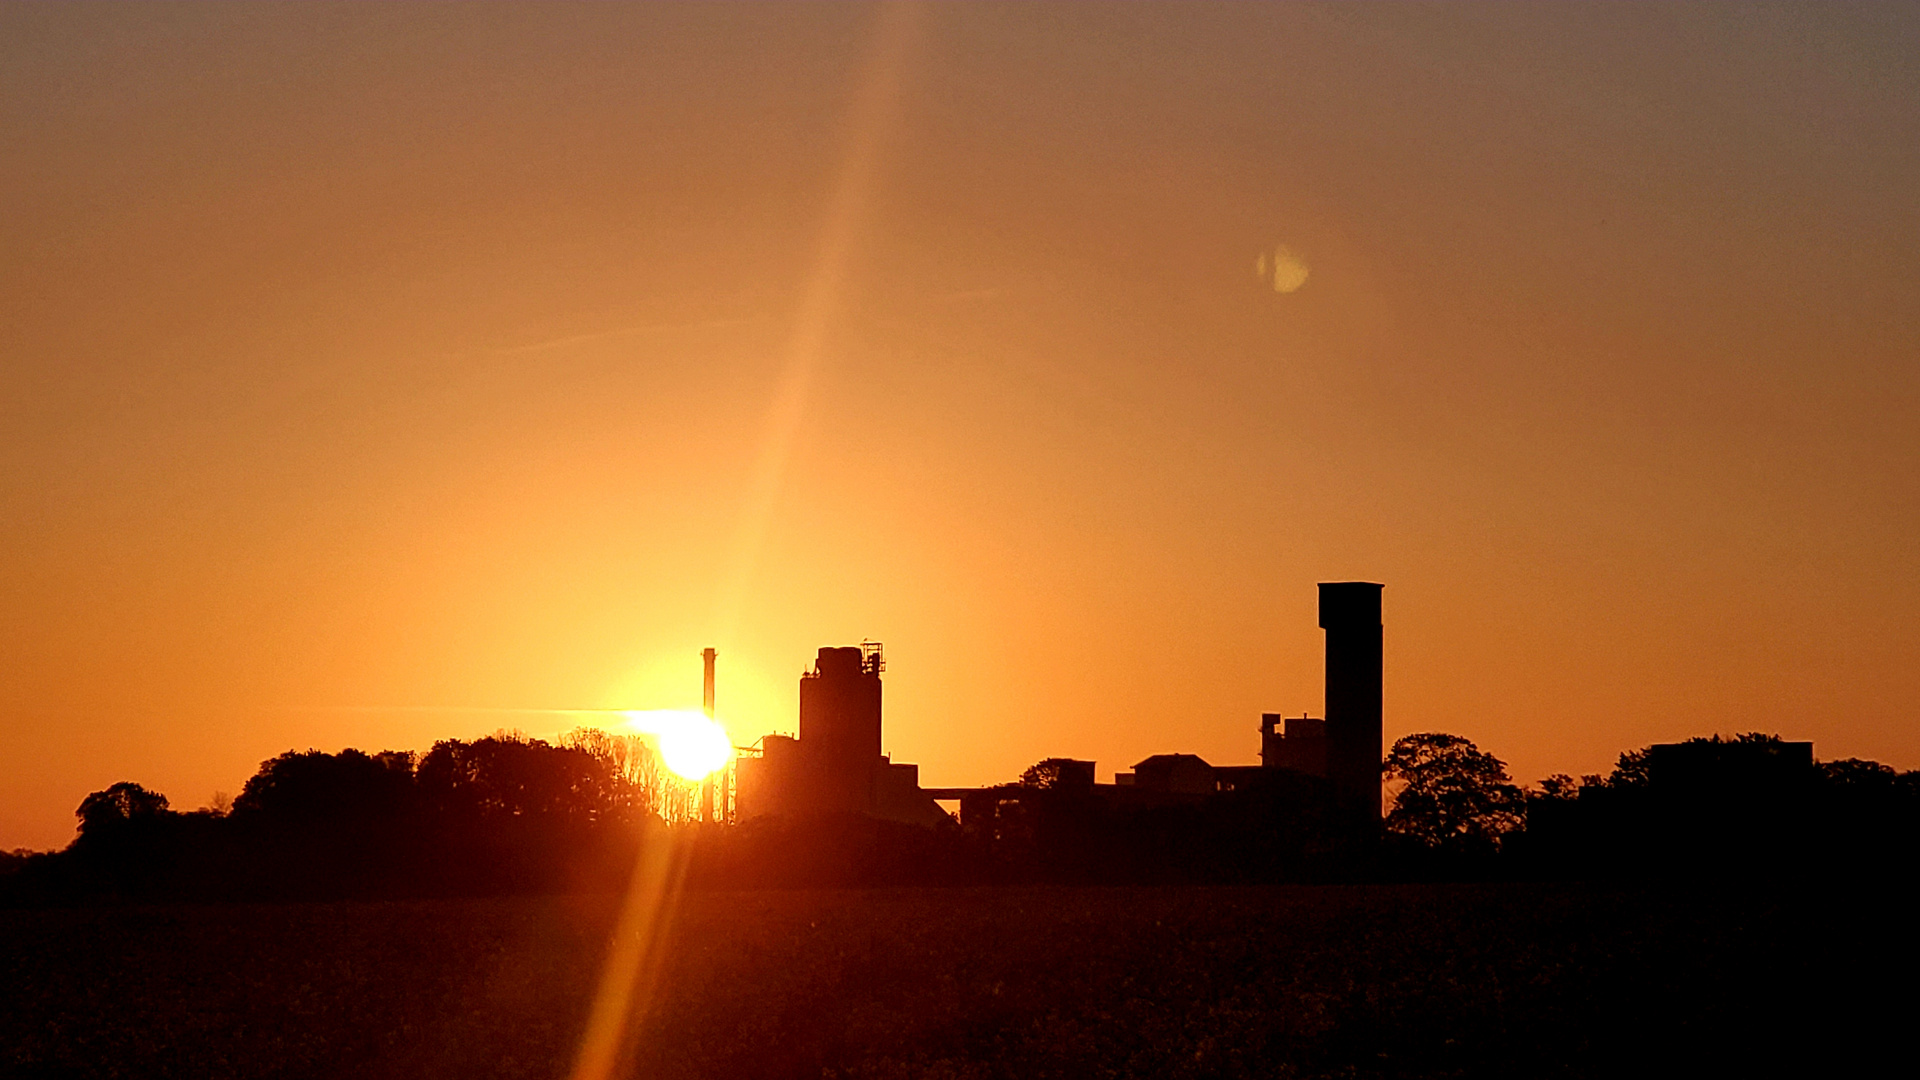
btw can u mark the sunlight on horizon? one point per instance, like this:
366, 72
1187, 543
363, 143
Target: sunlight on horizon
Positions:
691, 744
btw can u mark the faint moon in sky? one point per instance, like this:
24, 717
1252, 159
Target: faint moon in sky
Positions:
1282, 268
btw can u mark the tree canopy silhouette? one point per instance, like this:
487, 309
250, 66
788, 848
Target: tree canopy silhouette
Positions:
314, 787
1454, 794
1057, 773
508, 777
117, 807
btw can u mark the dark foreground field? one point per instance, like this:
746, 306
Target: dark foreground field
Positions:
1302, 981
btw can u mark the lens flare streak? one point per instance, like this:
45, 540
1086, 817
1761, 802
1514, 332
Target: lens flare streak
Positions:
634, 958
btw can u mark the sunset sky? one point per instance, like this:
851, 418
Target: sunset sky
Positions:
368, 372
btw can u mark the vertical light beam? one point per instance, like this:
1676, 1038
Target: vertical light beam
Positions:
875, 102
634, 957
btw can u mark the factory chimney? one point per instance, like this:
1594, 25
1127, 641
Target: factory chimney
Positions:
706, 706
1350, 614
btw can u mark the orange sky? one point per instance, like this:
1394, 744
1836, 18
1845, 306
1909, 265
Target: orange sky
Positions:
501, 357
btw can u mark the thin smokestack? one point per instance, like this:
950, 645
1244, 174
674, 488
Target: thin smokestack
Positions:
706, 694
706, 705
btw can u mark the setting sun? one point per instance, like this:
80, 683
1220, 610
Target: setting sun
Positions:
691, 744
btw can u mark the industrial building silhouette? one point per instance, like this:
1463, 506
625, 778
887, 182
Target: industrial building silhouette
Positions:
834, 765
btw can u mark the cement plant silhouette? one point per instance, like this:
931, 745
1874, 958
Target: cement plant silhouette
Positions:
512, 815
446, 913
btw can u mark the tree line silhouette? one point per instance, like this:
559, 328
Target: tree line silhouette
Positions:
1750, 805
505, 813
511, 814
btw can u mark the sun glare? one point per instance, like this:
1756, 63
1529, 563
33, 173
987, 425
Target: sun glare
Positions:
691, 745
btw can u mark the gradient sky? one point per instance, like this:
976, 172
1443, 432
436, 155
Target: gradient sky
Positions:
355, 358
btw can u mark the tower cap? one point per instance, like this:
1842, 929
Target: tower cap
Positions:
1349, 603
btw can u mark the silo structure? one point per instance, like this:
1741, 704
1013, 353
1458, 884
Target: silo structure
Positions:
840, 705
1350, 614
840, 730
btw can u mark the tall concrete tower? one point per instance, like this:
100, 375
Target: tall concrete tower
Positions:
1350, 614
840, 705
840, 727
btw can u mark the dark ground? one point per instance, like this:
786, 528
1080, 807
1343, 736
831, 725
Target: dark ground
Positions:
1410, 980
